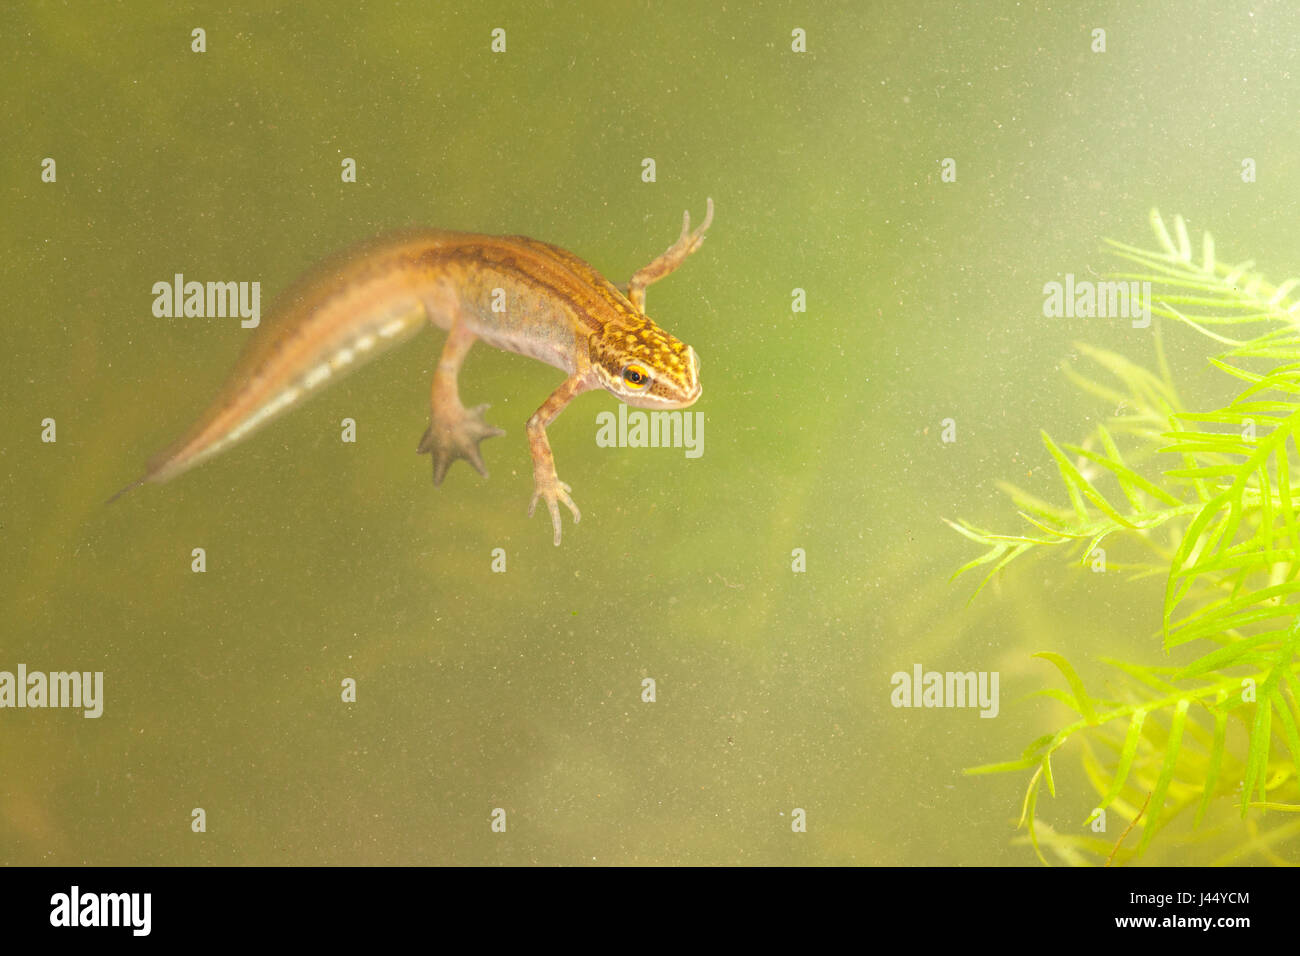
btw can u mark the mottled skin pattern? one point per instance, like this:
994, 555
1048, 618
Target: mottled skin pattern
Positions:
512, 292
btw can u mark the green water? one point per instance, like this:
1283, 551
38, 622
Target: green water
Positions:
522, 690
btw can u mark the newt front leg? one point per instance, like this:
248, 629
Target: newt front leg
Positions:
546, 484
667, 263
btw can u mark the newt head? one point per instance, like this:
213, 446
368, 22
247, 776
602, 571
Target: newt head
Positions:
645, 366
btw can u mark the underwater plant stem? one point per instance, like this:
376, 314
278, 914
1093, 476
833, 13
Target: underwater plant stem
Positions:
1128, 829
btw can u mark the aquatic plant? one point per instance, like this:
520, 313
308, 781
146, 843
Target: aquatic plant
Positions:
1210, 498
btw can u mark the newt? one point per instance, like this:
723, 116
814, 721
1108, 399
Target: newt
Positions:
511, 292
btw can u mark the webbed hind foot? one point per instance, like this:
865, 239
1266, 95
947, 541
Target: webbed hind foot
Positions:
456, 433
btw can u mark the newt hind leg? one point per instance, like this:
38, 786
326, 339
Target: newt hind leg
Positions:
454, 431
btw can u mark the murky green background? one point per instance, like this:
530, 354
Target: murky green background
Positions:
522, 690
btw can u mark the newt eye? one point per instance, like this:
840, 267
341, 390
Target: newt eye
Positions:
636, 376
